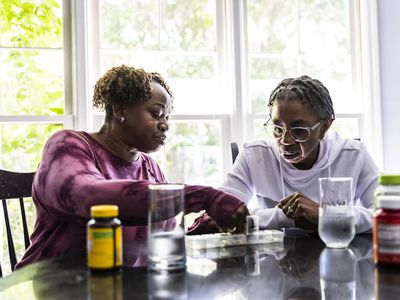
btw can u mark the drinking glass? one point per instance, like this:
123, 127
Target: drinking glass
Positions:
337, 269
336, 216
166, 235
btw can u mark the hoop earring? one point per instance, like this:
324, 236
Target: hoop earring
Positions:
122, 120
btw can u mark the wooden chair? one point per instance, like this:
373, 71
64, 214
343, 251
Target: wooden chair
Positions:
15, 186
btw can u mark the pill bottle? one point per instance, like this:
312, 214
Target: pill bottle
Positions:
386, 221
104, 239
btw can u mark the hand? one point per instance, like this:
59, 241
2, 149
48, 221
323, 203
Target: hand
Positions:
204, 225
238, 221
302, 209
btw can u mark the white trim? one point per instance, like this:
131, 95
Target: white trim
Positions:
372, 134
236, 21
93, 70
176, 117
67, 120
31, 48
81, 103
68, 53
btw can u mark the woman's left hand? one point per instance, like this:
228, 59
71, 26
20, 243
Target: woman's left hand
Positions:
238, 221
300, 208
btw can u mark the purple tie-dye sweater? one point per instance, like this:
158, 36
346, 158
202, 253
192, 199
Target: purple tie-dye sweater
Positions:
77, 172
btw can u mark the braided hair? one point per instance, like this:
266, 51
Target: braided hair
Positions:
125, 85
308, 90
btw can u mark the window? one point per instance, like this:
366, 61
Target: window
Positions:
32, 90
161, 36
299, 37
223, 59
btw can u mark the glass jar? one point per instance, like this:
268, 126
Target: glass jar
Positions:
389, 184
386, 221
104, 238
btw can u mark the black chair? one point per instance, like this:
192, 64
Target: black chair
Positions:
234, 151
15, 186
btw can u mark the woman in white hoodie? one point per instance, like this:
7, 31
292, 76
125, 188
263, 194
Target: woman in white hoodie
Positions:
278, 178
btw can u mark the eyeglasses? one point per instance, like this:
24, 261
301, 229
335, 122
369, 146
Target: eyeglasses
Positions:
299, 134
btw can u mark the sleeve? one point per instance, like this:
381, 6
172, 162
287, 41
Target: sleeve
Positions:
364, 194
273, 218
69, 182
238, 181
240, 184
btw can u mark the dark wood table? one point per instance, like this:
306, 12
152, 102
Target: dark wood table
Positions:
302, 269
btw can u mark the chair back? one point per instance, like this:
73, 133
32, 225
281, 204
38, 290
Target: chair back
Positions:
234, 151
15, 186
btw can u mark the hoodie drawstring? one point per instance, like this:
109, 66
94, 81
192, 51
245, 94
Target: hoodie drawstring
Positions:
281, 171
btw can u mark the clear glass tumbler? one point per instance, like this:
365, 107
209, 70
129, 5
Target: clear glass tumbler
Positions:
166, 235
336, 216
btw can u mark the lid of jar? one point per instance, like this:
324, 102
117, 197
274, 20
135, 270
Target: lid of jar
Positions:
389, 201
389, 179
104, 211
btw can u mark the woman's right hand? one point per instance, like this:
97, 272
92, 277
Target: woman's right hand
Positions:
302, 209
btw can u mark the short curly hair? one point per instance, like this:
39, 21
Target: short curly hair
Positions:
125, 85
308, 90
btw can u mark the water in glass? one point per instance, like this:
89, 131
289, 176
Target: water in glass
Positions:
167, 250
336, 230
336, 226
166, 235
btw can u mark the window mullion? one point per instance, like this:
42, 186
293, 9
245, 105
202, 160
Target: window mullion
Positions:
81, 104
235, 15
370, 77
67, 47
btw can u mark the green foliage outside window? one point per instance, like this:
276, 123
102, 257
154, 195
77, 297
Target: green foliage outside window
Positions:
31, 83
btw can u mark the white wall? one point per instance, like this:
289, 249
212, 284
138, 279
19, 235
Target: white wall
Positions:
389, 48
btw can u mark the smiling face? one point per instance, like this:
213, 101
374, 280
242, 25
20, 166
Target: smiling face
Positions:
288, 113
146, 123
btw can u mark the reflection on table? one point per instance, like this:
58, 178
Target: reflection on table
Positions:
303, 269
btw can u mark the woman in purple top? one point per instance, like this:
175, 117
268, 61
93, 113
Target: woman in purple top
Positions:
80, 169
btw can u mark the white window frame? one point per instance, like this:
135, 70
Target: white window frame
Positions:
67, 120
233, 68
365, 66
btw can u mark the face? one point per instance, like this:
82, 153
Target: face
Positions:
295, 113
147, 123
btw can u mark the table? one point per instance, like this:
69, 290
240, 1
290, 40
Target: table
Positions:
303, 269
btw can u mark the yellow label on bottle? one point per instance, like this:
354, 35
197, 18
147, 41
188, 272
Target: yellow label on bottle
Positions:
104, 247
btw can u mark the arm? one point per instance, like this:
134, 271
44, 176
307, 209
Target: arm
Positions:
364, 195
69, 182
239, 183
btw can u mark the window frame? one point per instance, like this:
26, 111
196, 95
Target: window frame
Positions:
67, 120
232, 52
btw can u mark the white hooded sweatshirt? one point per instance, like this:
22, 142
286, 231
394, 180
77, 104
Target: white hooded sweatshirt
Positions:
262, 179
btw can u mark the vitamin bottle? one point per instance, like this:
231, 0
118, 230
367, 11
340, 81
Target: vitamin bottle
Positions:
386, 221
104, 239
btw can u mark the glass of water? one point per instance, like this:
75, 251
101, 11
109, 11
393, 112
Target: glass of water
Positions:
166, 235
336, 216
